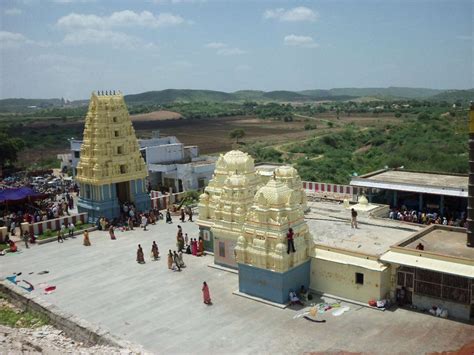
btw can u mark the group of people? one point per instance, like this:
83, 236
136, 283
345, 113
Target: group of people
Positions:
428, 218
183, 212
66, 231
175, 260
155, 253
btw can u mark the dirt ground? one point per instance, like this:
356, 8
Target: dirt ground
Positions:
212, 135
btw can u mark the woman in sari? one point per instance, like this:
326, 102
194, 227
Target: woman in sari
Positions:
170, 260
205, 293
180, 239
140, 256
86, 242
154, 250
200, 246
111, 233
194, 246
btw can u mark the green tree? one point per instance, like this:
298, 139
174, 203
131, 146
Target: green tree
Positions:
237, 134
9, 148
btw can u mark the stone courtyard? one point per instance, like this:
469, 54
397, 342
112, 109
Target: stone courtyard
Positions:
163, 310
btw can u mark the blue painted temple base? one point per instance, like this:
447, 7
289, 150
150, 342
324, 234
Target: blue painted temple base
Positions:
103, 201
270, 285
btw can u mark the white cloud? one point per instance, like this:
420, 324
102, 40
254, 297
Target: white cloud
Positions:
12, 40
114, 39
13, 11
300, 41
230, 51
126, 18
224, 49
296, 14
215, 45
464, 38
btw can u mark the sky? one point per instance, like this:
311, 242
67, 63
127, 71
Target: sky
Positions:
69, 48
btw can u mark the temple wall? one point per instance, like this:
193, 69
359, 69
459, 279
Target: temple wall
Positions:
340, 280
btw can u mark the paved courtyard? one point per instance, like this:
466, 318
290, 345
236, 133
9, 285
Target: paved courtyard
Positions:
163, 310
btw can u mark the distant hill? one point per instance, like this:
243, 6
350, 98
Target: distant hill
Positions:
454, 95
187, 95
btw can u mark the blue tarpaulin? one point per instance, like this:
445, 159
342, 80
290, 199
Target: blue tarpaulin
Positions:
18, 194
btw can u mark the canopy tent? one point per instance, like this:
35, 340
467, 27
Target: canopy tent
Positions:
19, 194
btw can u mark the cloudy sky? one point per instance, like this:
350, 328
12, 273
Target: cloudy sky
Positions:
68, 48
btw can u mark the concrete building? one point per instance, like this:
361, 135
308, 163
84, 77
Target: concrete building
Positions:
422, 191
111, 170
441, 273
170, 164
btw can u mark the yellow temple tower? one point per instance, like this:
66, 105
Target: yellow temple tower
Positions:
224, 203
111, 169
266, 268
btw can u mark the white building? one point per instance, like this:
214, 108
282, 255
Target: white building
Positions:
171, 164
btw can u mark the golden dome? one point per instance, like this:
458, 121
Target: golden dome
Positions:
236, 180
237, 162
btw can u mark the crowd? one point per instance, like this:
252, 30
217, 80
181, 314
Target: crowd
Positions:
413, 216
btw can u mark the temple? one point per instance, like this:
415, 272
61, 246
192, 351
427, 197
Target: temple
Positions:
111, 170
267, 269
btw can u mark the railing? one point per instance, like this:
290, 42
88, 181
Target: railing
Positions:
53, 224
334, 191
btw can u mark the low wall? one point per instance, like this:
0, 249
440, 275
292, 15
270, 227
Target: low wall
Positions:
74, 327
161, 202
54, 224
334, 191
455, 310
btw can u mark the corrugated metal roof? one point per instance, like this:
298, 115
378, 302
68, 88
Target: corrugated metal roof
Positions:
421, 262
346, 259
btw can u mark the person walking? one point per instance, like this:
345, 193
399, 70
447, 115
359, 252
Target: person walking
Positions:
63, 231
71, 230
206, 295
183, 217
60, 237
86, 241
353, 218
186, 239
176, 260
144, 222
140, 256
168, 216
190, 214
154, 251
291, 242
170, 260
25, 239
180, 239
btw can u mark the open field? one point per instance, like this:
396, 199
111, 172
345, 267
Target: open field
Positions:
211, 135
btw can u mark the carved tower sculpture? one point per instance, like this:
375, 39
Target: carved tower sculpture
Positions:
111, 169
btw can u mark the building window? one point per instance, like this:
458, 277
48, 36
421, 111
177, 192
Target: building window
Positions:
114, 119
359, 278
222, 249
77, 154
116, 133
123, 169
119, 150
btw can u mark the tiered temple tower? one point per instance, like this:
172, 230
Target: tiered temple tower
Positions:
111, 169
266, 270
224, 204
291, 178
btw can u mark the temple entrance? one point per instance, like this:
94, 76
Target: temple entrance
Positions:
123, 191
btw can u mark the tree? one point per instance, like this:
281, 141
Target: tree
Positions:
237, 134
9, 148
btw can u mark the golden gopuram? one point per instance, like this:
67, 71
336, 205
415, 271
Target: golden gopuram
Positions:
111, 170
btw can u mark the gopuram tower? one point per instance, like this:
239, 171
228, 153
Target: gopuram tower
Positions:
266, 269
111, 170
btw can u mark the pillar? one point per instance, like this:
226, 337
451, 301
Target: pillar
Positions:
441, 205
420, 202
370, 195
395, 199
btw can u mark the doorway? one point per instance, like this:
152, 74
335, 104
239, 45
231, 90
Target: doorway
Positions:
123, 191
406, 279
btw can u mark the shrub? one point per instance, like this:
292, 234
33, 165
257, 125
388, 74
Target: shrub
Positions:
309, 126
48, 233
79, 223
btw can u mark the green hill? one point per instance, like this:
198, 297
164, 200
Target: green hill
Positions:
390, 92
454, 96
28, 105
172, 95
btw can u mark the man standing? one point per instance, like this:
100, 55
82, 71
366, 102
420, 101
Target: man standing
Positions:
353, 218
71, 229
291, 244
25, 239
